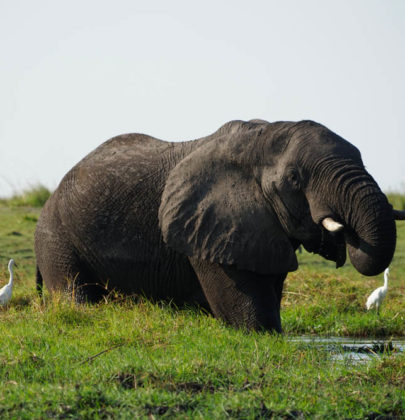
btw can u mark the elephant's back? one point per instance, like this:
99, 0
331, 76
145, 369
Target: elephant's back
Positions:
124, 150
115, 174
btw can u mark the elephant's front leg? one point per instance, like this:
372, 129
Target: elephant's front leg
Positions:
241, 298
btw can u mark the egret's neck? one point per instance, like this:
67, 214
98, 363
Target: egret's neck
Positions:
10, 268
385, 280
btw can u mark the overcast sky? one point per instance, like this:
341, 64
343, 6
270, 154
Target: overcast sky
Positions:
75, 73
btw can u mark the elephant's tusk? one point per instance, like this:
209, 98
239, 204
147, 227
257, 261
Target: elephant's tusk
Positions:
399, 214
331, 225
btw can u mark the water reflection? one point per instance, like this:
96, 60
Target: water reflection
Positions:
354, 349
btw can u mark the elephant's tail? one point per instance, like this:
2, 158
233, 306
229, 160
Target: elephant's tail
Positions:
39, 282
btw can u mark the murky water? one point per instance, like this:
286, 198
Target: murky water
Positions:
354, 349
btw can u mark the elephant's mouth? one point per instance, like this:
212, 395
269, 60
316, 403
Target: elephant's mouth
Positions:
328, 242
333, 247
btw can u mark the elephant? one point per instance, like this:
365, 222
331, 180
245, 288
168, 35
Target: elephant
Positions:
214, 221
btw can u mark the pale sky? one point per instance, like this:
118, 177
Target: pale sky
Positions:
75, 73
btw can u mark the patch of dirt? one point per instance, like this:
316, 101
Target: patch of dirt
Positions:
193, 387
378, 416
265, 413
129, 380
15, 233
160, 410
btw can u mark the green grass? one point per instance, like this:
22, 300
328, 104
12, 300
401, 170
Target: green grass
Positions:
121, 359
162, 361
32, 197
397, 200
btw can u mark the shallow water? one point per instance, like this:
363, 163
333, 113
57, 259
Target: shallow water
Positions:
353, 348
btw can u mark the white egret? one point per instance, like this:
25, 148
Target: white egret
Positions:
376, 298
6, 291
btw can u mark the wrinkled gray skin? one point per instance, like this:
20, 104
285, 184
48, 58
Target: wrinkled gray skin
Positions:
214, 221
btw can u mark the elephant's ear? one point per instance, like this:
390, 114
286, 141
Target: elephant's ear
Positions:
213, 210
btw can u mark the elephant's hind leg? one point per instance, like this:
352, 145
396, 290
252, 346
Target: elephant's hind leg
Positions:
83, 287
77, 283
61, 271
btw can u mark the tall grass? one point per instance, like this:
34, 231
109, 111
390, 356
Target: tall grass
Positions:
32, 197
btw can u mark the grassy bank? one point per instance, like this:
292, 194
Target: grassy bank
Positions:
131, 360
119, 359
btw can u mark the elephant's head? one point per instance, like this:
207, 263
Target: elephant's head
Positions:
249, 194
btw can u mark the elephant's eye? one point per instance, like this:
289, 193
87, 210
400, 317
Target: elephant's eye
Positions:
293, 178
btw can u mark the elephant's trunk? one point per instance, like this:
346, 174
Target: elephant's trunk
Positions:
372, 245
358, 203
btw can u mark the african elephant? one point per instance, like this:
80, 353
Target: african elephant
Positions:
214, 221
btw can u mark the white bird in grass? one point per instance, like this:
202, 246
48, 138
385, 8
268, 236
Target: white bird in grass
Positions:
376, 298
7, 290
